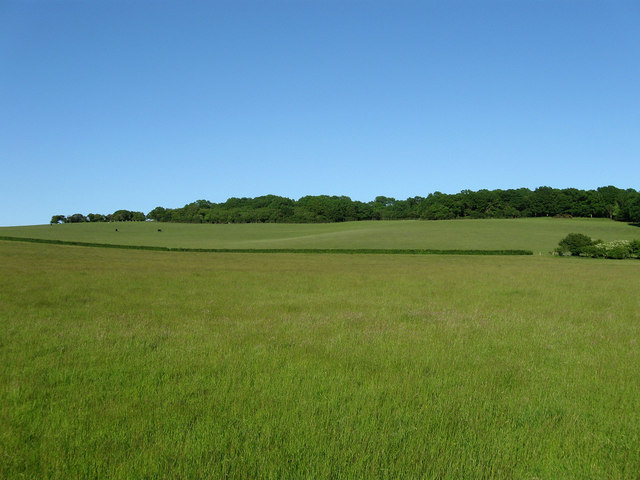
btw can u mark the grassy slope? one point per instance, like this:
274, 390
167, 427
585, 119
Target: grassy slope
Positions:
539, 235
130, 364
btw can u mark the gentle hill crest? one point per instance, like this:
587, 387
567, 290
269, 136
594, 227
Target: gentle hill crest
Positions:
538, 234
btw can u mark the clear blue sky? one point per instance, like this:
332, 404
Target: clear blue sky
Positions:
109, 104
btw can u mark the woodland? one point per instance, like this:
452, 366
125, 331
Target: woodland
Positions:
604, 202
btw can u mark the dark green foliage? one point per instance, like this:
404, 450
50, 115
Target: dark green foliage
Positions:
127, 216
159, 214
590, 251
77, 218
58, 219
96, 217
574, 244
634, 210
605, 202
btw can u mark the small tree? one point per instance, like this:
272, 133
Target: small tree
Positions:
58, 219
158, 214
76, 218
138, 216
121, 216
574, 244
96, 217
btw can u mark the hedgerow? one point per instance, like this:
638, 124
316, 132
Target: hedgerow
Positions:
389, 251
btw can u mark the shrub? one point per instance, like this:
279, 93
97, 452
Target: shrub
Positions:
618, 252
617, 249
578, 244
574, 244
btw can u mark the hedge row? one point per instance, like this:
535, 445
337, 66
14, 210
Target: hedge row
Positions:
389, 251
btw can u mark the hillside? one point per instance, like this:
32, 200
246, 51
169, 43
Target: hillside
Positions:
538, 234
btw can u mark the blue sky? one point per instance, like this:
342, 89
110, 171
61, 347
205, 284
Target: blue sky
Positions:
133, 104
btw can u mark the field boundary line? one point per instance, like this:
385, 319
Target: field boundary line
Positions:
363, 251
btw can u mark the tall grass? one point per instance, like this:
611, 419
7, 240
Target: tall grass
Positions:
129, 364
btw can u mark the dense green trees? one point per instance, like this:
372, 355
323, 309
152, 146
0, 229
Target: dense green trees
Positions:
97, 217
604, 202
127, 216
75, 218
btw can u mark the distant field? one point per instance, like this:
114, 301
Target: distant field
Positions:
538, 234
137, 364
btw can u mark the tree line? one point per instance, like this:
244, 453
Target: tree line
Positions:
604, 202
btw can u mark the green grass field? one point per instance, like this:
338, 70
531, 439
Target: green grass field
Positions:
537, 234
141, 364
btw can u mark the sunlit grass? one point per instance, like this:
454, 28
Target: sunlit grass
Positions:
129, 364
538, 234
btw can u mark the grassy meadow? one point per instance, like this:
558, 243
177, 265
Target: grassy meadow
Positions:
139, 364
538, 234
